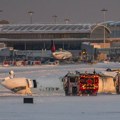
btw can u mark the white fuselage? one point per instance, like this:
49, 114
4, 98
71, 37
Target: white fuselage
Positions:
48, 87
26, 86
109, 73
18, 85
62, 55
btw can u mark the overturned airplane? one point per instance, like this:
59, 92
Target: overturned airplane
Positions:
18, 85
95, 83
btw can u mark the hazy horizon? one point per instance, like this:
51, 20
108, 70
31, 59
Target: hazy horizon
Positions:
77, 11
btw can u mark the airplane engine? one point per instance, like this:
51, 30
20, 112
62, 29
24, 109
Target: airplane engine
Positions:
19, 85
34, 84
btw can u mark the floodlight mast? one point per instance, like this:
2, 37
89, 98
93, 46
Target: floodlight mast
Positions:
104, 18
31, 15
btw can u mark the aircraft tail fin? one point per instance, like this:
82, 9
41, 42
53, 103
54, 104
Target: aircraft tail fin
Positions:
53, 48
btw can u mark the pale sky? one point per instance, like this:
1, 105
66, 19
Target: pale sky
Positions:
78, 11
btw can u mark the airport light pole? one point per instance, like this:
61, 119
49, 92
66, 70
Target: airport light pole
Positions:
104, 18
1, 11
55, 18
67, 21
31, 14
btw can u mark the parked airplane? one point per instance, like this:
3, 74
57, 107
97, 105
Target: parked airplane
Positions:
60, 54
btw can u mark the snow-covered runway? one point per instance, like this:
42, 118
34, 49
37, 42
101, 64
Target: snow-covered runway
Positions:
101, 107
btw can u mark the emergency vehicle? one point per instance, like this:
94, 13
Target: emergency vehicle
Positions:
76, 84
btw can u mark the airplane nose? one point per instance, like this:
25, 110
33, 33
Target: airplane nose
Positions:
3, 83
2, 80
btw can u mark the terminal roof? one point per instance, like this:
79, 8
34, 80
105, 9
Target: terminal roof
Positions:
46, 28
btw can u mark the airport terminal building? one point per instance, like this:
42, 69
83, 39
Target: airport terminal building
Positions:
39, 36
35, 39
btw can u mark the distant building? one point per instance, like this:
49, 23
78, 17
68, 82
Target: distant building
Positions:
39, 36
30, 37
115, 28
2, 45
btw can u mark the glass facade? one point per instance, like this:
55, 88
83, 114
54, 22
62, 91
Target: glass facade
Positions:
39, 36
115, 29
43, 35
45, 45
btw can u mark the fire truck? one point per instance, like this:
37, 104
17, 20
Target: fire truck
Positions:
76, 84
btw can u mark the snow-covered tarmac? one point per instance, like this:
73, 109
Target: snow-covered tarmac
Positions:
101, 107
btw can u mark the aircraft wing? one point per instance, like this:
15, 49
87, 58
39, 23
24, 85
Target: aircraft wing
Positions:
116, 70
107, 74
